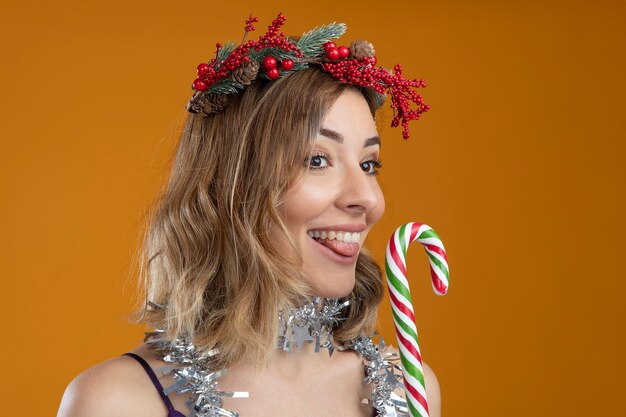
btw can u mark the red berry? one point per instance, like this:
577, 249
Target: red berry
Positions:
203, 69
287, 64
273, 73
344, 51
269, 62
199, 85
332, 54
329, 45
373, 60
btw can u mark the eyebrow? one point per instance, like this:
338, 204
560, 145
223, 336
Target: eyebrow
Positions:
337, 137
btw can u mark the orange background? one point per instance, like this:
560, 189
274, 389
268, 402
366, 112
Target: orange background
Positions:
519, 166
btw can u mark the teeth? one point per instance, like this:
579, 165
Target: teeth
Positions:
338, 235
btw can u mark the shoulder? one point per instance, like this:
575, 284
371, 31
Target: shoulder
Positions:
118, 387
433, 392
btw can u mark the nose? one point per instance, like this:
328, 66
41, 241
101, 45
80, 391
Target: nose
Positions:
359, 192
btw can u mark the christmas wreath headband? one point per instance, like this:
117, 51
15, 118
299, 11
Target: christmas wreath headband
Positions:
274, 55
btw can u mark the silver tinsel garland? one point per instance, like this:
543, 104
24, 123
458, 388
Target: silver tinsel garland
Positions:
384, 374
313, 323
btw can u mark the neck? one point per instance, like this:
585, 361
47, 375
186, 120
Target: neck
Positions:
309, 328
305, 334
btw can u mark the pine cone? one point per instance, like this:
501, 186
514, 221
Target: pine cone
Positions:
246, 72
361, 49
215, 103
206, 104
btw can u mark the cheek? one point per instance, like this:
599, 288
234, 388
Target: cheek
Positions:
379, 208
306, 202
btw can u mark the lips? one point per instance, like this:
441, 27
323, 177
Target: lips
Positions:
342, 253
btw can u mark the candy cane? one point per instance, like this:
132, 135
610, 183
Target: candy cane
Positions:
402, 307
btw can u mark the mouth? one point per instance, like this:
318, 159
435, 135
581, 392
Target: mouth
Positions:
340, 246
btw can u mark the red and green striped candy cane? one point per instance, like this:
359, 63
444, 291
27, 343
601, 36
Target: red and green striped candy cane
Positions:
402, 306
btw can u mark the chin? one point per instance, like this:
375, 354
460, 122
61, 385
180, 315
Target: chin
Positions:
334, 289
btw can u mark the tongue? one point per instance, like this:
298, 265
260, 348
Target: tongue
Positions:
342, 248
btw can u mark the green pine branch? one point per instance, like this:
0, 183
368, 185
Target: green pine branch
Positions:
277, 53
223, 53
226, 86
312, 42
300, 66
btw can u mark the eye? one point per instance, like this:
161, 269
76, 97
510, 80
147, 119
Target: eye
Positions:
318, 161
372, 167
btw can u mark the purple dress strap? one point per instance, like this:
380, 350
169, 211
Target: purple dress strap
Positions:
171, 411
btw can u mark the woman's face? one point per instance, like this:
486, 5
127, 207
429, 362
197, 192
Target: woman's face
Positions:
332, 208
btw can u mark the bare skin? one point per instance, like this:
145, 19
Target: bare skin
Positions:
291, 385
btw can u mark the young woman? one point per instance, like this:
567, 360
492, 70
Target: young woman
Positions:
254, 264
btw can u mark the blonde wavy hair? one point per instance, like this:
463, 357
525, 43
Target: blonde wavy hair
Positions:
207, 258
